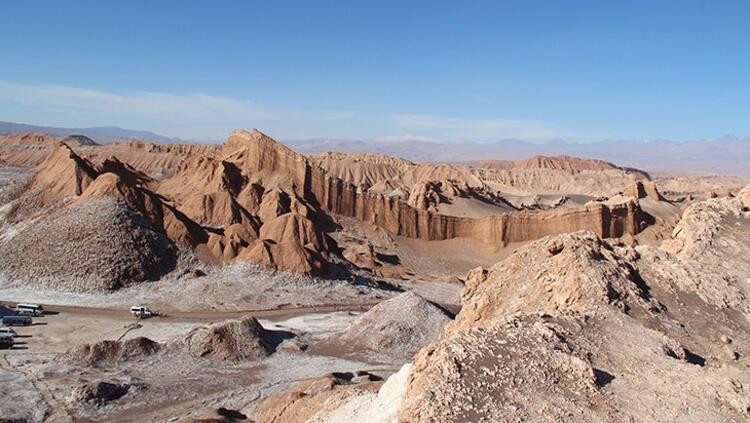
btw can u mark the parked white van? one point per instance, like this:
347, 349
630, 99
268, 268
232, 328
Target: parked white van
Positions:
7, 331
141, 311
29, 309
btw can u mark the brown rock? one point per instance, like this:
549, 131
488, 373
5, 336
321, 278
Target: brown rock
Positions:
107, 353
234, 340
304, 400
220, 415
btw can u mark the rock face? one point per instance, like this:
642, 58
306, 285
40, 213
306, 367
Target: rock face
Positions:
606, 220
573, 325
398, 327
234, 340
63, 174
161, 160
401, 219
644, 189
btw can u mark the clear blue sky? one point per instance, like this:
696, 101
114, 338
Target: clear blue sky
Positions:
474, 70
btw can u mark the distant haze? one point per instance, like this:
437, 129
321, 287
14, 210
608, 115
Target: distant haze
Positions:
102, 134
727, 155
724, 155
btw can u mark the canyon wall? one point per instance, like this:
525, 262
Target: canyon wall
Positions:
255, 152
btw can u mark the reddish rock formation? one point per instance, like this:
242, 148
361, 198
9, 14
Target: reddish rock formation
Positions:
644, 189
565, 163
308, 399
256, 200
339, 197
63, 174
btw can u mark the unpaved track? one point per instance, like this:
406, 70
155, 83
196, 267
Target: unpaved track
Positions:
205, 315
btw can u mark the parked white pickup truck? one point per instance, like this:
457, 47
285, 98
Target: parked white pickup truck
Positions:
141, 312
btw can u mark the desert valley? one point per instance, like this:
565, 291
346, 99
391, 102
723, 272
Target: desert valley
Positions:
340, 287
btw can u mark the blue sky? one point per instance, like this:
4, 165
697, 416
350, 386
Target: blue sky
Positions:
449, 70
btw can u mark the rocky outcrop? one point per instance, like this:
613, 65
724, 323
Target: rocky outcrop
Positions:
375, 173
644, 189
109, 353
425, 196
165, 218
97, 244
362, 169
206, 190
234, 340
99, 392
573, 165
63, 174
313, 399
361, 255
287, 256
573, 325
286, 176
161, 160
66, 177
571, 273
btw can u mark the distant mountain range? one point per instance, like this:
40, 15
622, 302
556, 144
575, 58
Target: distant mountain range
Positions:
101, 134
724, 155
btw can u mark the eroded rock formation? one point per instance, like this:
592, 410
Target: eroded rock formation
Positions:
254, 199
573, 325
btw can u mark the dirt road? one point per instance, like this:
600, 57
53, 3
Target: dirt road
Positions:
280, 313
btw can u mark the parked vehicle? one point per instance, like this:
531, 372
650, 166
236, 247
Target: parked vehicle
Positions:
141, 312
17, 321
7, 331
6, 341
29, 309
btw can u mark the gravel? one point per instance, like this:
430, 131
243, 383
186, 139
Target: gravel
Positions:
19, 399
397, 328
93, 245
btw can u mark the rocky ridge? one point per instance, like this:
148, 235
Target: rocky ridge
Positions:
256, 200
575, 327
